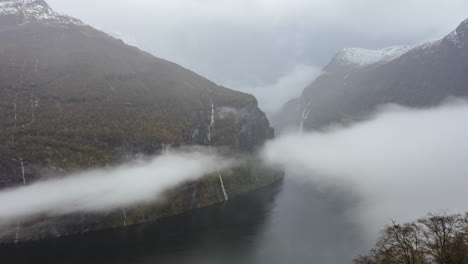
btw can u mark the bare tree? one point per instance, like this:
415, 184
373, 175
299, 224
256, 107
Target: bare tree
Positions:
436, 239
365, 260
443, 234
401, 244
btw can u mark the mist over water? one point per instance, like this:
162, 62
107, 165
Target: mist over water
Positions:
401, 164
288, 86
288, 222
140, 181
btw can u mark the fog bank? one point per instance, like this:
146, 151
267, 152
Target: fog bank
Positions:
254, 42
271, 97
140, 181
402, 164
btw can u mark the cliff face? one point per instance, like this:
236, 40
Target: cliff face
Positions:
73, 97
356, 81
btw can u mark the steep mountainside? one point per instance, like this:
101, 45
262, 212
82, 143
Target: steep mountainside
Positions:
357, 80
72, 97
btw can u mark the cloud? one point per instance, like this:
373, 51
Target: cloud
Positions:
253, 42
403, 163
105, 189
272, 97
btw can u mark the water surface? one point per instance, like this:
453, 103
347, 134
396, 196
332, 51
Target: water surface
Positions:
291, 222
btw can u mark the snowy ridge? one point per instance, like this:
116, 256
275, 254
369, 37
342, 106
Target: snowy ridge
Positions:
35, 10
454, 38
428, 45
364, 57
459, 37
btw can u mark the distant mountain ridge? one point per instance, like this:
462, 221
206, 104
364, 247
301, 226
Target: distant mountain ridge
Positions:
356, 81
362, 57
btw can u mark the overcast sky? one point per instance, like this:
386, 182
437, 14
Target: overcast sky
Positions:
265, 45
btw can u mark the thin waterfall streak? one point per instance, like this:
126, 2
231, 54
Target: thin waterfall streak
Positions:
22, 170
17, 232
210, 129
222, 186
305, 115
125, 217
212, 121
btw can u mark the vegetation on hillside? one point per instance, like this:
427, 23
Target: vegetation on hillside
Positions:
75, 98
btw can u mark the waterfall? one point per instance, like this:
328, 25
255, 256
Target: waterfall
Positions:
15, 110
212, 121
166, 148
22, 170
305, 115
222, 186
23, 176
31, 99
20, 86
125, 217
210, 129
24, 183
17, 232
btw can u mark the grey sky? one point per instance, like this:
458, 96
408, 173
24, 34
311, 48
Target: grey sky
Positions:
251, 45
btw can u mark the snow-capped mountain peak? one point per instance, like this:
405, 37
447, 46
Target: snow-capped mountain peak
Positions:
459, 37
365, 57
34, 11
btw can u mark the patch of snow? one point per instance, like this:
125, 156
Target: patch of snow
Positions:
364, 57
428, 45
455, 37
35, 10
459, 36
463, 25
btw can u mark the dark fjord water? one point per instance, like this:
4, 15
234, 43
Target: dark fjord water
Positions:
290, 222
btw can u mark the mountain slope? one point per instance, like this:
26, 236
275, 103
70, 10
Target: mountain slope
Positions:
356, 81
73, 97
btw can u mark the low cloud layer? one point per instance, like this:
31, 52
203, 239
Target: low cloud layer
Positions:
104, 189
290, 85
253, 42
401, 164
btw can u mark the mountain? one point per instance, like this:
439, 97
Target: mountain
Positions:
73, 97
356, 81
